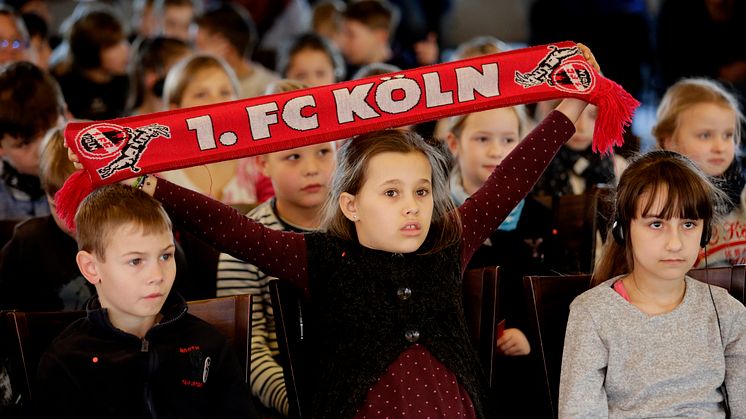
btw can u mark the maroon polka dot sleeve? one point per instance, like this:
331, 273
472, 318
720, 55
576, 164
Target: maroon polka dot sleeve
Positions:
278, 253
486, 209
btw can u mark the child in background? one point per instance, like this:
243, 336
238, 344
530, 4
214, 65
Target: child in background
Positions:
300, 178
13, 36
647, 312
475, 47
96, 84
202, 80
137, 353
53, 283
576, 169
175, 17
326, 19
522, 245
367, 28
152, 60
478, 46
313, 60
229, 33
700, 119
30, 104
479, 142
39, 48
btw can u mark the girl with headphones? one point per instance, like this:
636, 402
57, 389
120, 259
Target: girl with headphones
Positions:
649, 341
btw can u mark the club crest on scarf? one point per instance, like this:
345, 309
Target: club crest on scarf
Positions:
102, 141
111, 151
554, 70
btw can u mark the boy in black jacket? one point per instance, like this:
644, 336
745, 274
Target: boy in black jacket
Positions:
138, 353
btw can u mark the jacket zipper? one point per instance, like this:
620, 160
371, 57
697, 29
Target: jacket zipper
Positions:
148, 395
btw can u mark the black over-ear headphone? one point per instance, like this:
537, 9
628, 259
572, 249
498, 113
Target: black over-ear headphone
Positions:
617, 230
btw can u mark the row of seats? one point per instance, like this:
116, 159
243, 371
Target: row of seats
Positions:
26, 335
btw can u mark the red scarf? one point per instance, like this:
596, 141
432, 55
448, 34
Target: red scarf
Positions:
119, 149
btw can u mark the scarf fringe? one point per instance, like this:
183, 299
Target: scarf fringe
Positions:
68, 198
615, 110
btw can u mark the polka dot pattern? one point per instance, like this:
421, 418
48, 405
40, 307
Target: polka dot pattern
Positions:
274, 252
416, 385
511, 181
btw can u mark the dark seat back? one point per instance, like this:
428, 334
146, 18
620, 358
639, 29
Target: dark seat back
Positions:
548, 299
481, 295
28, 334
231, 315
576, 222
732, 278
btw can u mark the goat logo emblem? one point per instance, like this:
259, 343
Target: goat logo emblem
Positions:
104, 140
555, 70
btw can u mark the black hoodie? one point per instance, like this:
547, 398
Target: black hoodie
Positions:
182, 368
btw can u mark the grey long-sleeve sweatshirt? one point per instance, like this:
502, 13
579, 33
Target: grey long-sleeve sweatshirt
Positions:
620, 362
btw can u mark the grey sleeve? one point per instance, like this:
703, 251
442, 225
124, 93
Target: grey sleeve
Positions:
584, 359
735, 362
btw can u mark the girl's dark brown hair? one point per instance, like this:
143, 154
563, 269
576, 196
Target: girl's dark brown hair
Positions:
691, 195
352, 163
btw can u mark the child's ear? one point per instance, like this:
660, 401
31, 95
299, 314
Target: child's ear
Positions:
87, 263
452, 142
348, 206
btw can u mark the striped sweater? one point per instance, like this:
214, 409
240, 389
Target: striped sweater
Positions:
238, 277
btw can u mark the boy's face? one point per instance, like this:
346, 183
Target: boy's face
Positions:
360, 43
12, 45
135, 277
114, 59
312, 67
23, 156
176, 22
301, 176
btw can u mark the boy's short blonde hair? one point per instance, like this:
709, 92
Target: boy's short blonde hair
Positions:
112, 206
54, 165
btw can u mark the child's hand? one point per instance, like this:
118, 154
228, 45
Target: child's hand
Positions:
513, 343
73, 158
588, 55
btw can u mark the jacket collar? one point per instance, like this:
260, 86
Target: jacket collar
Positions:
173, 309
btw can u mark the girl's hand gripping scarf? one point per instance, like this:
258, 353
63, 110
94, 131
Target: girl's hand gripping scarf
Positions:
123, 148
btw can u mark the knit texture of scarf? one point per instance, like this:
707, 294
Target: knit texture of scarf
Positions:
119, 149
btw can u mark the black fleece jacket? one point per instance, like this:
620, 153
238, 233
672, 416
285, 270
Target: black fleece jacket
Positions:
182, 368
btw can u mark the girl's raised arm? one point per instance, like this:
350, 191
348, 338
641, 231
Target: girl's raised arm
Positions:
277, 253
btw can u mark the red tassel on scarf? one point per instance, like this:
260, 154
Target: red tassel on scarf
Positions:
124, 148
